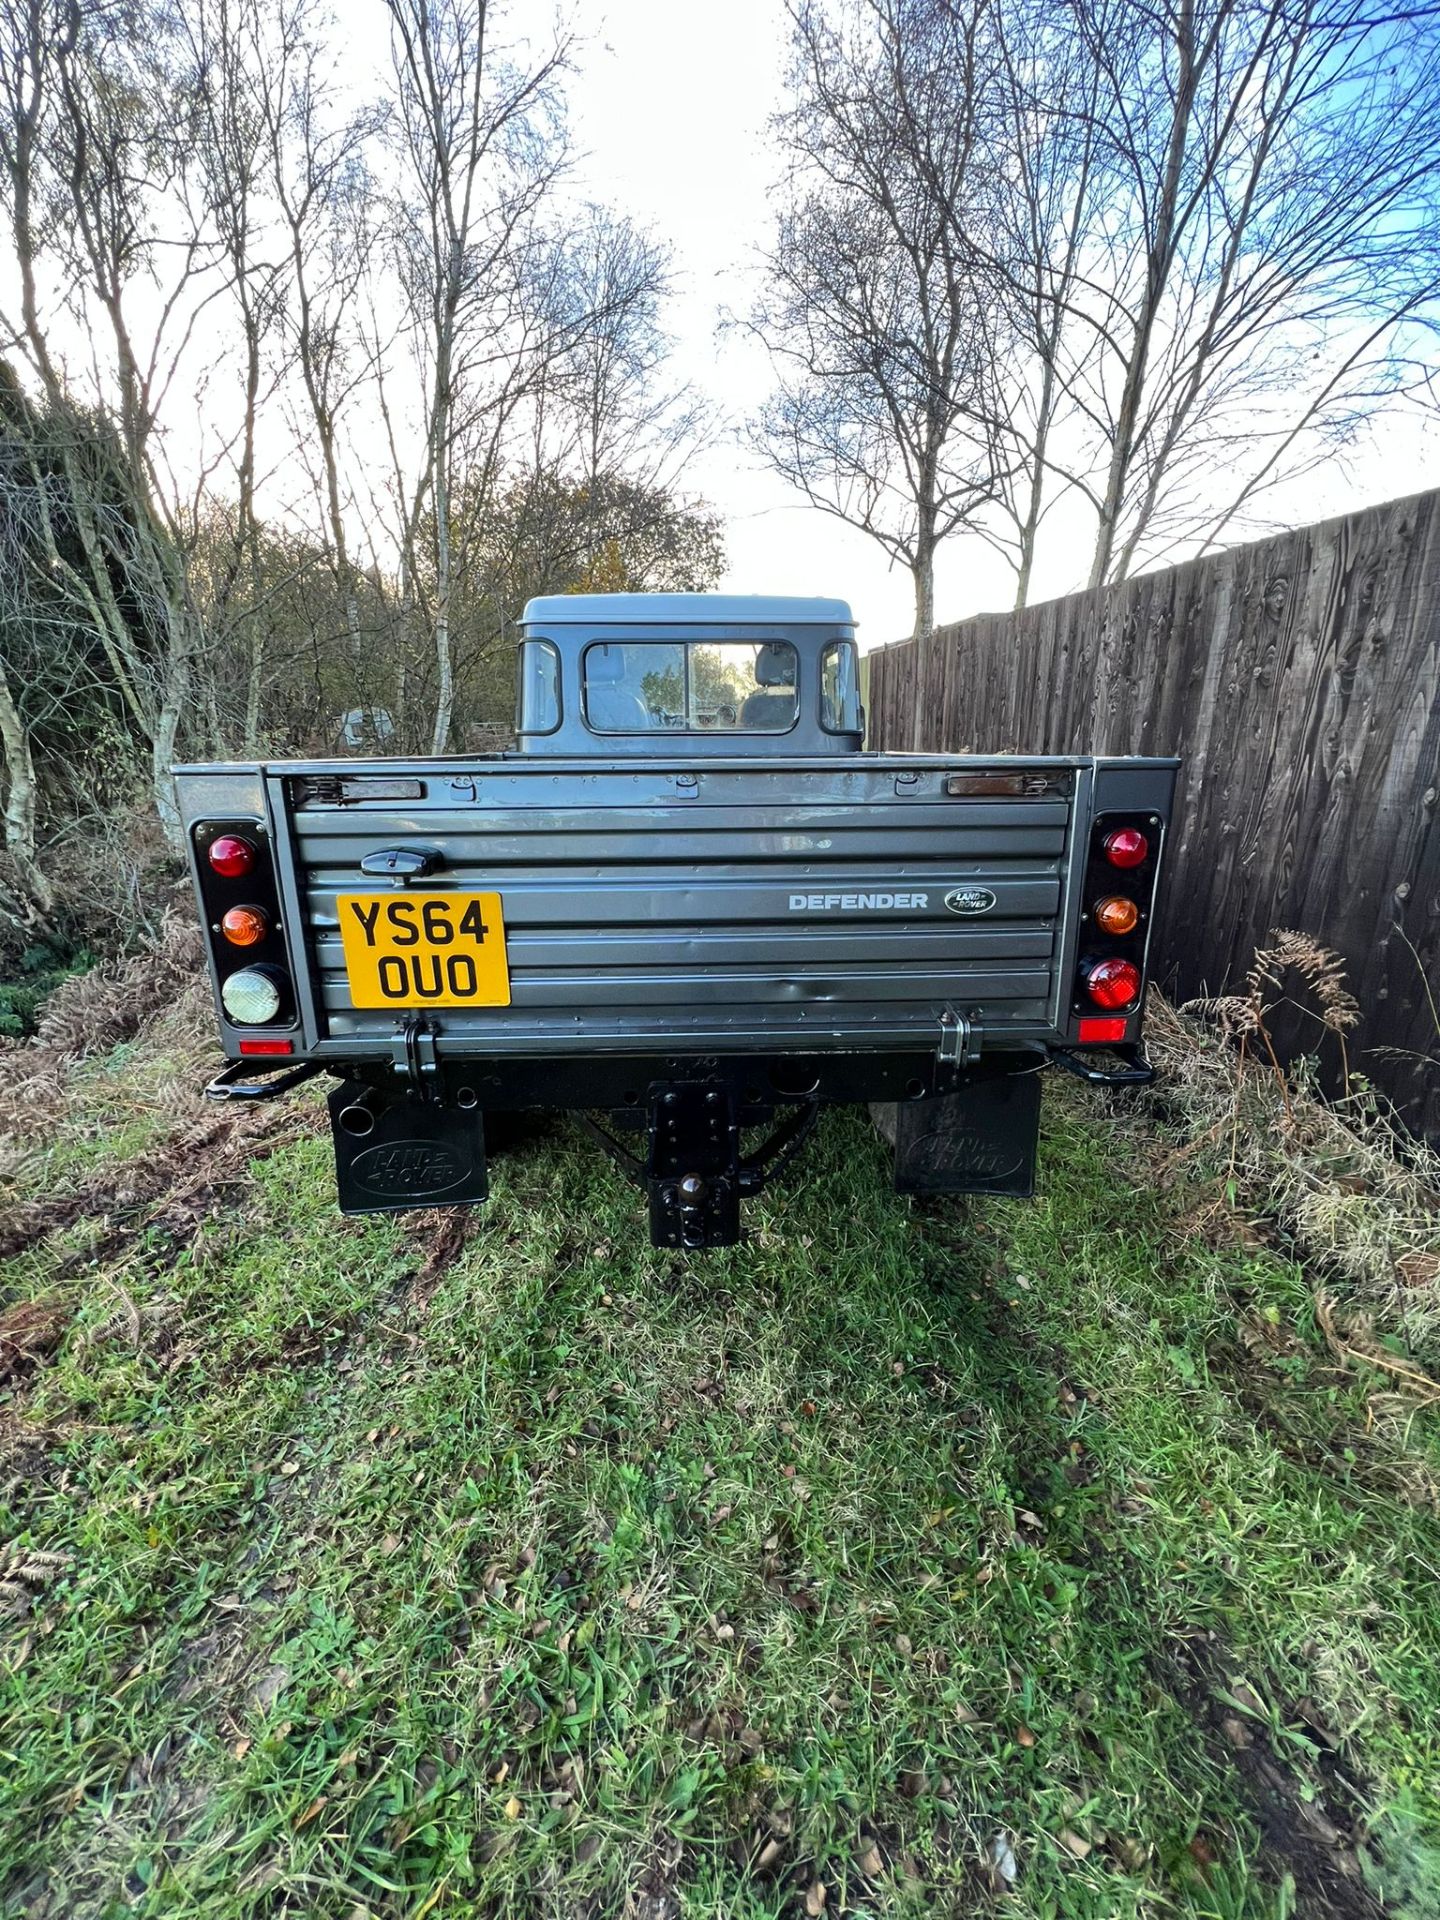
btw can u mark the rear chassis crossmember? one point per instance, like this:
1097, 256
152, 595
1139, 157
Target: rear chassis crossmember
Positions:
707, 1130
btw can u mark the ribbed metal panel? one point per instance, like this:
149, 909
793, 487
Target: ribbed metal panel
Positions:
668, 916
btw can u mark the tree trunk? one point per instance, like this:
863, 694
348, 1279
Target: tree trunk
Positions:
922, 570
1161, 244
174, 695
1030, 526
254, 685
21, 806
440, 495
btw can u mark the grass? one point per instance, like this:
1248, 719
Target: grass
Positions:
369, 1567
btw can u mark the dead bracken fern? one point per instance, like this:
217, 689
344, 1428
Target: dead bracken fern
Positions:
92, 1012
1356, 1344
1243, 1015
1356, 1194
158, 989
25, 1572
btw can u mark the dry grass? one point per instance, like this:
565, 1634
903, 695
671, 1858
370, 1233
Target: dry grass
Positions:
1358, 1195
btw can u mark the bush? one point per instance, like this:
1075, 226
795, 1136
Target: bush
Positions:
42, 970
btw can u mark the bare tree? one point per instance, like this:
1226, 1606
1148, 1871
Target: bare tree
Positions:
1266, 233
321, 180
1045, 206
478, 134
94, 136
878, 316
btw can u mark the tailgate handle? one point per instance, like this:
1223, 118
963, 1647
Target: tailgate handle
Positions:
400, 863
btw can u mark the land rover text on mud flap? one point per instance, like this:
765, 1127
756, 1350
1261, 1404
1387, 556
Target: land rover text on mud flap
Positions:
688, 905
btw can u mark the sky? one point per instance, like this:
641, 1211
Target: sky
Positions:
669, 110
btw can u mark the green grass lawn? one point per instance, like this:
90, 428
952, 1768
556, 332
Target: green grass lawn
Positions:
906, 1561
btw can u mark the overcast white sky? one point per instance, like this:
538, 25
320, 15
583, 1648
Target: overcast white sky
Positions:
669, 111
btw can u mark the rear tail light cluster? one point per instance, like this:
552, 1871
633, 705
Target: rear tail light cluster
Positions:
240, 898
1119, 892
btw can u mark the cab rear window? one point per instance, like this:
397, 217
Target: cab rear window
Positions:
702, 686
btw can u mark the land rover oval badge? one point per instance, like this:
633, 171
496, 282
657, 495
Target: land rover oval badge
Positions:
970, 900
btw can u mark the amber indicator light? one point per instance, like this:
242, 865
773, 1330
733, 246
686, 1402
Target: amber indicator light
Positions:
1116, 915
245, 926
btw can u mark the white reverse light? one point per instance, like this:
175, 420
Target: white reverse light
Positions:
251, 997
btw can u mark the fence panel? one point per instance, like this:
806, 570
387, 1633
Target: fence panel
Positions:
1298, 677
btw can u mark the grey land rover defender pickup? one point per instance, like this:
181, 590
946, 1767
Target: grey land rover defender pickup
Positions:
690, 906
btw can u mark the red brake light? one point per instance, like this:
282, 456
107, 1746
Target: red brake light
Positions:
1113, 983
230, 856
1096, 1029
1126, 847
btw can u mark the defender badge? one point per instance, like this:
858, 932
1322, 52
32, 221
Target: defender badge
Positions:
970, 900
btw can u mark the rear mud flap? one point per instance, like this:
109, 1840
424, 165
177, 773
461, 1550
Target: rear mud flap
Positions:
980, 1139
393, 1154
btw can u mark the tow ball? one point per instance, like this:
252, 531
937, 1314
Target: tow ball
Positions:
692, 1168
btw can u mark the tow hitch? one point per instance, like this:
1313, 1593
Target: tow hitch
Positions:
694, 1171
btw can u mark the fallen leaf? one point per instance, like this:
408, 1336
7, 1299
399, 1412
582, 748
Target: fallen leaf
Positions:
1023, 1736
903, 1645
512, 1808
310, 1812
869, 1862
815, 1899
1236, 1731
290, 1468
1073, 1843
390, 1544
768, 1854
241, 1748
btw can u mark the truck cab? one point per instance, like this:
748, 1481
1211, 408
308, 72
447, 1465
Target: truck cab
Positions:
639, 674
690, 907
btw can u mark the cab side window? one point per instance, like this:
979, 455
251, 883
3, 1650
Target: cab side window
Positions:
840, 709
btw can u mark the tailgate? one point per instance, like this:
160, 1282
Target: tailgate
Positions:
793, 906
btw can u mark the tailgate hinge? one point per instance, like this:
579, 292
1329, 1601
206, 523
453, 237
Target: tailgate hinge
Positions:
414, 1056
959, 1044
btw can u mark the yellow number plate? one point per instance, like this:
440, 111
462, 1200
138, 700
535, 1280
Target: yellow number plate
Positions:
423, 949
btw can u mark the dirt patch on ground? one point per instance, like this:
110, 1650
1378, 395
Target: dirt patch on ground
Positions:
1319, 1841
29, 1330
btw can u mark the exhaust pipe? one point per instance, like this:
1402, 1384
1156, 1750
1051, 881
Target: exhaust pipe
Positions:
360, 1117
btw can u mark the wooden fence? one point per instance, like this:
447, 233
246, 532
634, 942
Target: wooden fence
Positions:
1298, 677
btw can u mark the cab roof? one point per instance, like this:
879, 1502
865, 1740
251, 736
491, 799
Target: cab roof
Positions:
672, 609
